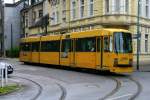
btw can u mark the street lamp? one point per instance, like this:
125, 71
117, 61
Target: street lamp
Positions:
138, 34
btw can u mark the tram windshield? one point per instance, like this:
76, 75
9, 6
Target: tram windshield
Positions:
122, 42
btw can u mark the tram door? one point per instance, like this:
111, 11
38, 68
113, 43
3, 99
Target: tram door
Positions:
35, 56
65, 54
107, 49
72, 58
99, 52
27, 52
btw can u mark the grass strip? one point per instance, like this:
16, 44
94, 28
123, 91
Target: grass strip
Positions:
8, 89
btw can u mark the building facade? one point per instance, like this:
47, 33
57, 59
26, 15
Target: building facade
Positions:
33, 17
12, 25
80, 15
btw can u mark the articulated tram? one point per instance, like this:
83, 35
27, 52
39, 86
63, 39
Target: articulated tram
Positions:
100, 49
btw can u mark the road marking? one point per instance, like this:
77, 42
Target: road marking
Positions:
119, 97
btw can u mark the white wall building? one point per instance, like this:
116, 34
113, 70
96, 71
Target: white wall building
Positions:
12, 24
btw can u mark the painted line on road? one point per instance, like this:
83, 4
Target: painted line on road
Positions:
119, 97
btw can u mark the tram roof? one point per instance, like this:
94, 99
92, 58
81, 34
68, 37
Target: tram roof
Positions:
89, 33
93, 33
31, 39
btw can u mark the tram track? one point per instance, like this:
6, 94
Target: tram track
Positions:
106, 97
64, 92
40, 88
118, 87
139, 89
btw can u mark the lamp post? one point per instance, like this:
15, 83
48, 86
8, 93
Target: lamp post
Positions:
138, 33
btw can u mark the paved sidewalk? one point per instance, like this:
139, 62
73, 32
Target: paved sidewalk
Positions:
142, 58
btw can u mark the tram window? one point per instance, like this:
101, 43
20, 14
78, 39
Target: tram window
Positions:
26, 47
44, 46
111, 44
21, 46
98, 44
55, 46
106, 44
86, 45
35, 46
50, 46
66, 46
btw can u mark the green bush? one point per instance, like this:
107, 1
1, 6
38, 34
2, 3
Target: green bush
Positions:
14, 53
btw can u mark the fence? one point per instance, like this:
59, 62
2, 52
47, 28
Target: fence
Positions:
3, 74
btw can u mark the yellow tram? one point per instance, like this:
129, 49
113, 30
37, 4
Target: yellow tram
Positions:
100, 49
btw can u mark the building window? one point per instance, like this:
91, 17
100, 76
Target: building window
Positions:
54, 2
81, 8
107, 6
64, 4
40, 13
34, 15
146, 30
126, 6
117, 6
64, 15
73, 10
57, 17
146, 42
53, 16
147, 8
91, 7
26, 23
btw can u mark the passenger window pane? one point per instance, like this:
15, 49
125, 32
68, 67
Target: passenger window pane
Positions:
106, 44
86, 45
98, 44
44, 46
35, 47
66, 46
111, 44
26, 47
50, 46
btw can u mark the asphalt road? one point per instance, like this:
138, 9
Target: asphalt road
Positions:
54, 83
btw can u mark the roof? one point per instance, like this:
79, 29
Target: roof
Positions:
31, 6
13, 4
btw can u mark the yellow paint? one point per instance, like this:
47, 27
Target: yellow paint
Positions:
35, 57
25, 56
85, 60
49, 58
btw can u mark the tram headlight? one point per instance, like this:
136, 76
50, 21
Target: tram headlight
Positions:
130, 62
115, 62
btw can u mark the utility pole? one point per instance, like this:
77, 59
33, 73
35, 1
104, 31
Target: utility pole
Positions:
69, 15
138, 33
11, 40
2, 28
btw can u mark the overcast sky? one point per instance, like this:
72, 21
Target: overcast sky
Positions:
9, 1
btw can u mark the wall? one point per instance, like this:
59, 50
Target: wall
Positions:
12, 16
